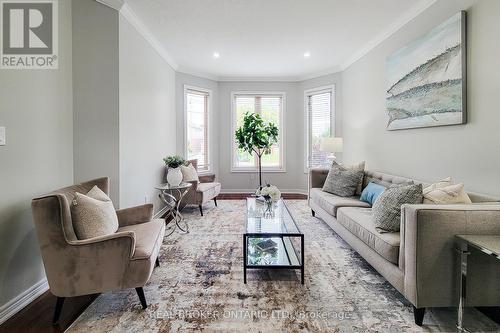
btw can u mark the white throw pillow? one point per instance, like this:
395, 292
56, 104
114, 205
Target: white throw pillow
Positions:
93, 214
451, 194
189, 173
442, 183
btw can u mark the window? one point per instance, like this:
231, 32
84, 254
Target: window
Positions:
196, 102
320, 105
270, 107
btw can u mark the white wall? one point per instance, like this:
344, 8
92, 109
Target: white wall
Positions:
469, 152
147, 122
181, 80
36, 109
95, 83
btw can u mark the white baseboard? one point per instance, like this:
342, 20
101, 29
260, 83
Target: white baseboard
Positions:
294, 191
20, 301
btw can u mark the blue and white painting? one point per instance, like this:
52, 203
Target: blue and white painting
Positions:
426, 79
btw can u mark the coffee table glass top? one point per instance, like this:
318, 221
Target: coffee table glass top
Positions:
281, 223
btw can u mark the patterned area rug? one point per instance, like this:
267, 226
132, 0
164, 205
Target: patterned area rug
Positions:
199, 287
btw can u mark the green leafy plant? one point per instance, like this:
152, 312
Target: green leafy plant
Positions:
256, 137
174, 161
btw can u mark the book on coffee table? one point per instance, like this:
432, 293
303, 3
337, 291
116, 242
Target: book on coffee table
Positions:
266, 246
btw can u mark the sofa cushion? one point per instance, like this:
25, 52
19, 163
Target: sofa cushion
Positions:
331, 202
359, 221
207, 191
146, 236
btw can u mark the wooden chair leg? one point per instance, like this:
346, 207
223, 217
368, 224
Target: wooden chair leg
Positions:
142, 298
215, 202
418, 314
201, 210
57, 312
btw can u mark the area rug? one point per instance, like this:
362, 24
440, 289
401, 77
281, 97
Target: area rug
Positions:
199, 287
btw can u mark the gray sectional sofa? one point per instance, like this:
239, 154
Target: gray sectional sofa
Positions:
420, 261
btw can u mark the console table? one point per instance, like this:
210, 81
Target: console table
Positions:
489, 245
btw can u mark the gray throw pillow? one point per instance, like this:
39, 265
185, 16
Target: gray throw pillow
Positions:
93, 214
342, 181
387, 209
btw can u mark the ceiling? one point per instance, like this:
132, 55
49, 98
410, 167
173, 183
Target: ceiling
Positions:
268, 38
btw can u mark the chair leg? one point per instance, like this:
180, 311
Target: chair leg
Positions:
313, 213
201, 210
215, 202
140, 293
418, 314
57, 312
157, 263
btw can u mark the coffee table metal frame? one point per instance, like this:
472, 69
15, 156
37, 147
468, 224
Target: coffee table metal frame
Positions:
281, 235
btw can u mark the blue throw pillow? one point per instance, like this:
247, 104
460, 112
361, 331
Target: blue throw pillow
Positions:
371, 192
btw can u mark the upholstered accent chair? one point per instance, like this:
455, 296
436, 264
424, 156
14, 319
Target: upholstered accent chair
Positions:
202, 192
118, 261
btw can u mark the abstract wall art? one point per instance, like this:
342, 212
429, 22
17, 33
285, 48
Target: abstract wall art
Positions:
426, 79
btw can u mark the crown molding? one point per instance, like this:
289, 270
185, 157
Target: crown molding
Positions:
132, 18
332, 70
258, 79
115, 4
412, 13
192, 72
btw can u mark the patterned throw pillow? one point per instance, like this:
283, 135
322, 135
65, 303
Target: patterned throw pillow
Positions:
189, 173
342, 181
93, 214
387, 209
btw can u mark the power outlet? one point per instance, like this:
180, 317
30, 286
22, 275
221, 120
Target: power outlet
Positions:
3, 139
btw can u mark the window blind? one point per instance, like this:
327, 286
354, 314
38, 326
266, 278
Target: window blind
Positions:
320, 124
197, 127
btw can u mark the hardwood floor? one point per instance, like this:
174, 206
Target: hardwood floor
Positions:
37, 316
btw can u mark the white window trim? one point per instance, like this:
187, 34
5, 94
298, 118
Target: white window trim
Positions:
281, 132
209, 124
308, 93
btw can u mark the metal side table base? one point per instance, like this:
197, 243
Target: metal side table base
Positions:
172, 196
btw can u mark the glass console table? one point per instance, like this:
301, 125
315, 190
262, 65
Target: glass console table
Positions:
271, 241
489, 245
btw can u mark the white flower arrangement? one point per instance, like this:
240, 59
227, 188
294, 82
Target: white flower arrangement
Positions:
269, 192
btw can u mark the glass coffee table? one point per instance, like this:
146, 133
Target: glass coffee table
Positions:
271, 241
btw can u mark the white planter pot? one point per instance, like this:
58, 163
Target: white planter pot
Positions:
174, 176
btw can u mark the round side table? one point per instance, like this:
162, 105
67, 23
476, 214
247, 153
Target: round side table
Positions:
172, 196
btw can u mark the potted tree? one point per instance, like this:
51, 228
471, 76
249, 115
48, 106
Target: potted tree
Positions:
256, 136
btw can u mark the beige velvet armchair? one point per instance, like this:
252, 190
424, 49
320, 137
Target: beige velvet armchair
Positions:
204, 191
76, 267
